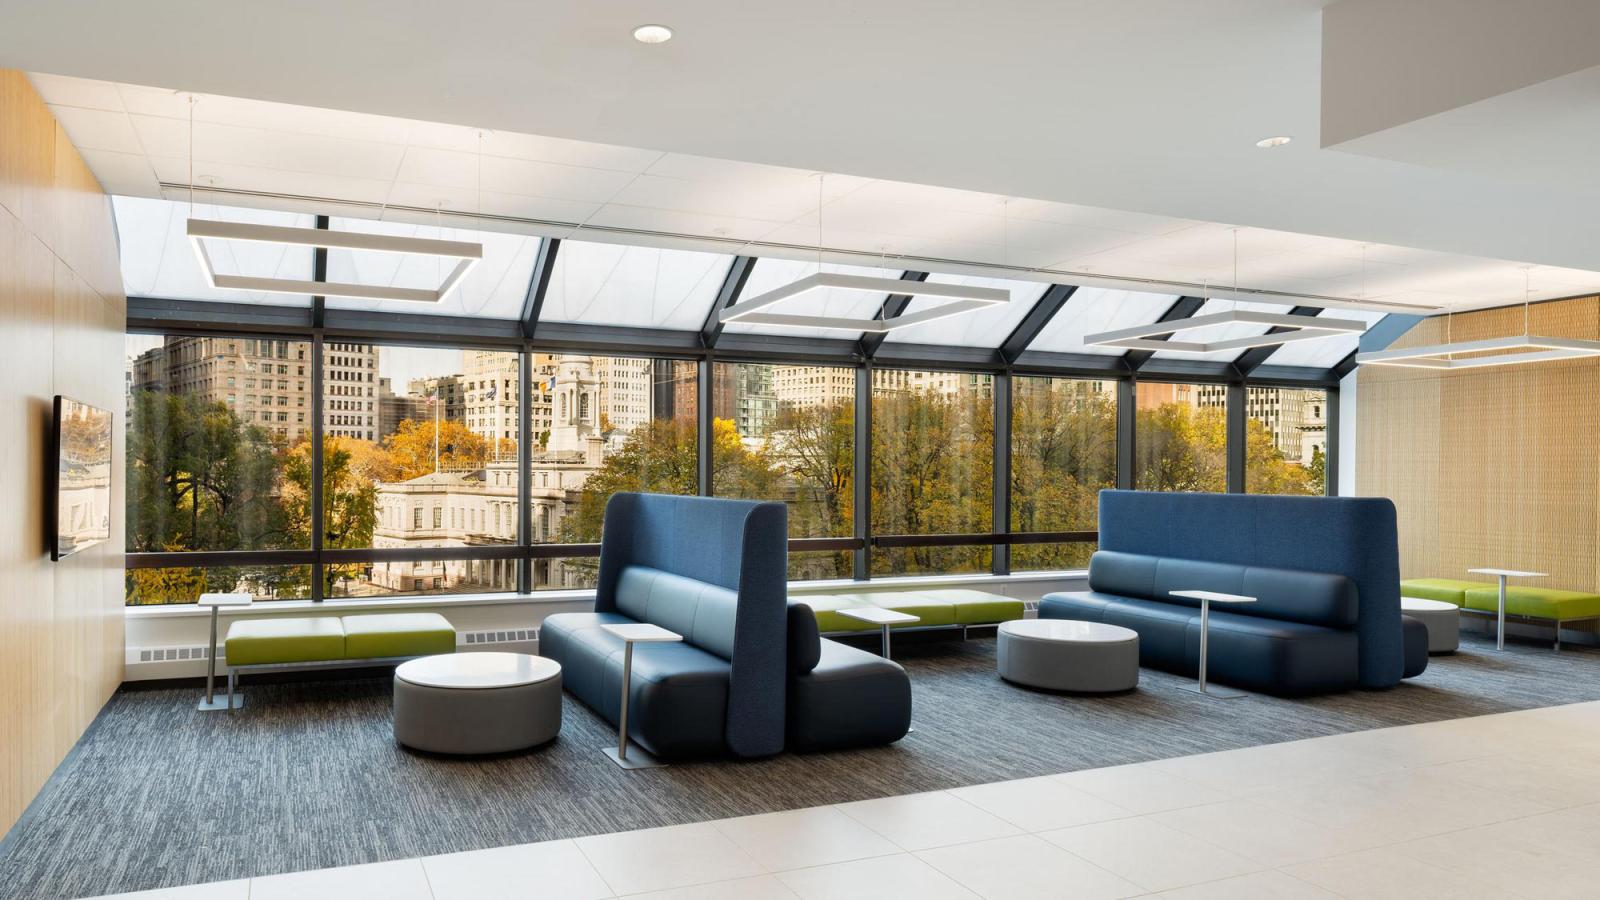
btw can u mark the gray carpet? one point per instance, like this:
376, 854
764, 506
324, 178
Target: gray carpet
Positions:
308, 775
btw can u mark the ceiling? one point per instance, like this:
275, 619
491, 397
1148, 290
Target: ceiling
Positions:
256, 153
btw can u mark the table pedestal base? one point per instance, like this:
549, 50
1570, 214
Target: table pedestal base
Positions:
1211, 690
637, 758
220, 701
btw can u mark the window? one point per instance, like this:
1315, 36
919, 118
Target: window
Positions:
1063, 453
1181, 437
788, 433
932, 467
1286, 441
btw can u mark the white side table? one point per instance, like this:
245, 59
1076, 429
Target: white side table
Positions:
877, 615
1503, 574
637, 633
1207, 598
216, 602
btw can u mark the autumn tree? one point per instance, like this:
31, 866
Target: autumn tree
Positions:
411, 449
1063, 453
349, 502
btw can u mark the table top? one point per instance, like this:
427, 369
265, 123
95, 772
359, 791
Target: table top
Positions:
877, 615
225, 600
643, 633
1419, 604
1214, 596
1069, 631
1509, 573
477, 670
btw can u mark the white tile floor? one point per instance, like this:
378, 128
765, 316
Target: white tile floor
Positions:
1496, 806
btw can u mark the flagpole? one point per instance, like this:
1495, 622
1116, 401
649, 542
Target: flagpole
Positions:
436, 431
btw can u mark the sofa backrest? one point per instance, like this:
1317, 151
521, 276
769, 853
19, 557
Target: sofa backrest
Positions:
1351, 536
1315, 598
739, 548
705, 614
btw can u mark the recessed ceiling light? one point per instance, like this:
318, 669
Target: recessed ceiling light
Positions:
1269, 143
652, 34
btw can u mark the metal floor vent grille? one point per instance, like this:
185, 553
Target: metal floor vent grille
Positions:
500, 637
171, 654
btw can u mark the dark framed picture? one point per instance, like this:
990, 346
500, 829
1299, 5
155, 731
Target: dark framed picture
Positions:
80, 515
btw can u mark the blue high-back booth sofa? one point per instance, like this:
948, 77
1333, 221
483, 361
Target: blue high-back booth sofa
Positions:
1325, 570
749, 677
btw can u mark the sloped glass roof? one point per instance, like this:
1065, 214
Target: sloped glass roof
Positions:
613, 284
1220, 332
159, 261
1091, 310
494, 289
1325, 352
985, 327
771, 274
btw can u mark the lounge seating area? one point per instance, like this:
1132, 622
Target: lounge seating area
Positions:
515, 450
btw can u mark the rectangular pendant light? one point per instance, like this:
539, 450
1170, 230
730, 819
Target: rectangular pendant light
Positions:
1521, 348
962, 299
465, 253
1143, 337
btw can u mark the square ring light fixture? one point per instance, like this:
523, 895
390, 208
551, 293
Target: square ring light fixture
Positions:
962, 299
1521, 348
1144, 337
465, 253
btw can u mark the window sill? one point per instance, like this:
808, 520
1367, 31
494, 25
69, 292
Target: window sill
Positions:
457, 601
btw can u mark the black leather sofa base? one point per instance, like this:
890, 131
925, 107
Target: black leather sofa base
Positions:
852, 698
1256, 653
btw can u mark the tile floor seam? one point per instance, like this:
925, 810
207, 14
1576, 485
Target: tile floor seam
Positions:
577, 842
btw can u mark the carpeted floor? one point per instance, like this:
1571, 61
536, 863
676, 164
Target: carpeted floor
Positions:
309, 776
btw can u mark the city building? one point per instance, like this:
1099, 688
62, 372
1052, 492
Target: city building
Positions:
1025, 450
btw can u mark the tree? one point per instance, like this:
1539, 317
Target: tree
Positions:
1063, 453
814, 448
350, 503
1182, 448
1318, 471
411, 449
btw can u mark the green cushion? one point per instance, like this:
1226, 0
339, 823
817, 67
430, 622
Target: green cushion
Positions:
1450, 590
827, 606
916, 603
375, 636
255, 642
1540, 603
978, 607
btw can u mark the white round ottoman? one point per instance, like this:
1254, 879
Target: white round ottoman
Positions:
1443, 621
1068, 655
471, 703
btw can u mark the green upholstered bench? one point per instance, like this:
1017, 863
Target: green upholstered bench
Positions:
1450, 590
333, 641
1548, 604
945, 608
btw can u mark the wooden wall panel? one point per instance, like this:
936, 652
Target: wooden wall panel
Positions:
62, 318
1490, 467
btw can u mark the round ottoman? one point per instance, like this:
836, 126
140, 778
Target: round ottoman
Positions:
468, 703
1068, 655
1443, 621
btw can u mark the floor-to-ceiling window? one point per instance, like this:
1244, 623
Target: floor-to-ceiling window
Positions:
1063, 453
1286, 433
1181, 437
787, 432
932, 467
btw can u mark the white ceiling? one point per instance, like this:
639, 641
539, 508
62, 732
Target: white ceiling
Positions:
1133, 108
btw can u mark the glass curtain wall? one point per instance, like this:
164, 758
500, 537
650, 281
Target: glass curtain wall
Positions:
787, 433
932, 467
1286, 436
1063, 453
1181, 437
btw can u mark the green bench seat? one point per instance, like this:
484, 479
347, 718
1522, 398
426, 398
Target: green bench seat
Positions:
315, 641
1449, 590
1537, 602
950, 608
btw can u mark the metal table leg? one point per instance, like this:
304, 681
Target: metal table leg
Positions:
639, 759
211, 702
1500, 627
1201, 687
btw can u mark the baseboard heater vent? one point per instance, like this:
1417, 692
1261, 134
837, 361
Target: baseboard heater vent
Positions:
515, 636
1030, 606
171, 654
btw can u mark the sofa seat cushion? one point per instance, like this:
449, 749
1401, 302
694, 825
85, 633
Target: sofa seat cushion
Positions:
1538, 602
978, 607
264, 641
1449, 590
851, 698
1270, 655
378, 636
678, 693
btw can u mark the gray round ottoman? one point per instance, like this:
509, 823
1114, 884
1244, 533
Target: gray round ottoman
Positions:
1443, 621
1068, 655
469, 703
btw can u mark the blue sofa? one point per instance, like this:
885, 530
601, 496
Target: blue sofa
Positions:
1325, 571
745, 680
